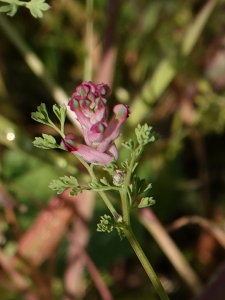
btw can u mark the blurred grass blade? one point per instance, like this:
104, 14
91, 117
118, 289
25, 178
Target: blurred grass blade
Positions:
196, 28
163, 75
88, 41
149, 220
167, 68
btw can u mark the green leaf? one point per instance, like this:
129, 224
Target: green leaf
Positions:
13, 11
134, 167
111, 168
94, 185
104, 181
145, 202
11, 8
11, 1
41, 115
5, 8
75, 191
69, 180
129, 145
144, 135
60, 112
120, 233
36, 7
64, 183
57, 185
106, 224
47, 142
138, 186
125, 164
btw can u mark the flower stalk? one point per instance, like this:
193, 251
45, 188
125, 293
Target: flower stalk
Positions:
146, 264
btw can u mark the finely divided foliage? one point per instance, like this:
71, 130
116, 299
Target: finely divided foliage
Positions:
47, 142
64, 183
36, 7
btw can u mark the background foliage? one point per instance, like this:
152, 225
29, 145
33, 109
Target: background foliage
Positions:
166, 60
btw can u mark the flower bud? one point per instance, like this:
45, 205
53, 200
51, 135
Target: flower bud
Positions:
119, 177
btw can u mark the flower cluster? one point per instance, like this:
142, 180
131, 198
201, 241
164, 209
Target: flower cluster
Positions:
89, 105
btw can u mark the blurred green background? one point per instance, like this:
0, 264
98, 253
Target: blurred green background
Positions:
166, 60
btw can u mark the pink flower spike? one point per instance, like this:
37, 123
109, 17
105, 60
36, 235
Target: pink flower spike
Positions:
89, 104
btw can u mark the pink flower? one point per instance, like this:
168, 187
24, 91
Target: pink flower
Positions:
89, 105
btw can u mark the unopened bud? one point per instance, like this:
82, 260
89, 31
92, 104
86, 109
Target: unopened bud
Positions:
118, 218
119, 177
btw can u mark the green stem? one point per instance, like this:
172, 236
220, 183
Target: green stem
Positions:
108, 203
124, 192
110, 188
58, 130
125, 206
146, 264
131, 237
102, 194
62, 127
